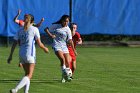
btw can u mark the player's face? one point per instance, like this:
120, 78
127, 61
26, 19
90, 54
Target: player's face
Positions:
74, 28
27, 18
65, 22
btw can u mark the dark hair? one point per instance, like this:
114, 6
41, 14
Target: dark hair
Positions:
64, 17
71, 24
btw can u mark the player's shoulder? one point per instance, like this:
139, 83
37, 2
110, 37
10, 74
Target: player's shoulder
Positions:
68, 28
77, 33
33, 28
55, 25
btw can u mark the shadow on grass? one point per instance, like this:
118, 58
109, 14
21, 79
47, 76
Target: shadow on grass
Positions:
32, 81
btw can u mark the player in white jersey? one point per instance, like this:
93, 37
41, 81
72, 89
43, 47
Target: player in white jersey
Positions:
61, 34
26, 38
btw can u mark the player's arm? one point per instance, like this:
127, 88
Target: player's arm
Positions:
41, 45
49, 33
79, 41
72, 45
39, 24
16, 17
12, 51
79, 38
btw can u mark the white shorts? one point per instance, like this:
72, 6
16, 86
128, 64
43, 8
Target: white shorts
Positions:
29, 60
64, 49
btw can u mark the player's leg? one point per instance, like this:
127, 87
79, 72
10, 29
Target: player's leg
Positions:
20, 65
67, 59
60, 56
22, 81
73, 62
73, 66
25, 81
21, 84
70, 63
29, 73
67, 62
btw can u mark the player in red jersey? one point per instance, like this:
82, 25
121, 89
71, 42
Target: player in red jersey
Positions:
21, 22
76, 40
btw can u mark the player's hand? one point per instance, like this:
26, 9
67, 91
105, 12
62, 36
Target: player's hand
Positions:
19, 11
42, 19
75, 52
53, 36
46, 50
9, 59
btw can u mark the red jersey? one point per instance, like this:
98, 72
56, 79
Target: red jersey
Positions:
75, 39
20, 22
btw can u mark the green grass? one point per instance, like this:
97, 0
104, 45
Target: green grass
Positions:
99, 70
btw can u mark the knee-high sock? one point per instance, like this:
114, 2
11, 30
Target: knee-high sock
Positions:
27, 86
22, 83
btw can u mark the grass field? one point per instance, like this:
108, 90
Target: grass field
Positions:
99, 70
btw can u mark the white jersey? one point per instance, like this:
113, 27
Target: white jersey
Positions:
63, 34
27, 42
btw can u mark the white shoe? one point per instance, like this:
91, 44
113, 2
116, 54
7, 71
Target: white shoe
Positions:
63, 80
13, 91
64, 76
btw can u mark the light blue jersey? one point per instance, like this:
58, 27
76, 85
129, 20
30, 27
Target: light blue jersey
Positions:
63, 34
26, 39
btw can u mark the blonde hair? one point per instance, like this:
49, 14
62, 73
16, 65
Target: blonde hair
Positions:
28, 21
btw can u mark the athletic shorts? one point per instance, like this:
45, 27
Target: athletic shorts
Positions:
72, 54
29, 60
64, 49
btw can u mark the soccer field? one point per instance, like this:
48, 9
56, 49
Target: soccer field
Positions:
99, 70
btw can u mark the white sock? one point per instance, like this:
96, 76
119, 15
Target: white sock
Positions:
63, 67
22, 83
27, 86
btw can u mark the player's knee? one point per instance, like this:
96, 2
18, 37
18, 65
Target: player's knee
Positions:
29, 76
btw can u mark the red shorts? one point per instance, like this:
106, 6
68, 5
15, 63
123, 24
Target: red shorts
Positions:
72, 55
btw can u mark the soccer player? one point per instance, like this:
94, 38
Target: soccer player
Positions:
21, 22
61, 34
76, 40
26, 38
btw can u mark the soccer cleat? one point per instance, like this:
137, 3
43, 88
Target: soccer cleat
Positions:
72, 78
64, 76
13, 91
63, 80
